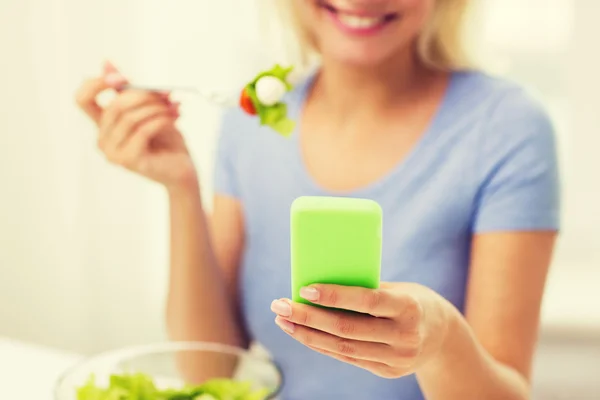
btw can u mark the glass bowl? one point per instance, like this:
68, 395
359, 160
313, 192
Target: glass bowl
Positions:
174, 365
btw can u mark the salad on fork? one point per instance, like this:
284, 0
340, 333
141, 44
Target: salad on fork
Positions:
262, 97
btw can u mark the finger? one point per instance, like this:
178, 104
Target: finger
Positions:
126, 102
355, 349
130, 122
386, 285
113, 76
377, 368
376, 302
339, 323
139, 144
86, 97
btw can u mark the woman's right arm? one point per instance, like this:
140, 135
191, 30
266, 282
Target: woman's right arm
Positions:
137, 131
205, 254
202, 300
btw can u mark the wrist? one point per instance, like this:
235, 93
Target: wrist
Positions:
185, 201
452, 323
185, 187
446, 331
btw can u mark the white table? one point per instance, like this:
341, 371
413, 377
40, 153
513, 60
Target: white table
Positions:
29, 371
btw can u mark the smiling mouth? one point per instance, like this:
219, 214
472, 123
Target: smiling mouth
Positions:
360, 20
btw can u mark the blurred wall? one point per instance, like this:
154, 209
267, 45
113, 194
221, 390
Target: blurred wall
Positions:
573, 297
83, 244
551, 47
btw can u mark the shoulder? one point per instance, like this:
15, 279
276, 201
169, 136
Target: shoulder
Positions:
502, 103
234, 121
505, 116
237, 132
516, 159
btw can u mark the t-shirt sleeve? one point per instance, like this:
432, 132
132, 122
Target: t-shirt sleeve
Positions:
520, 180
225, 174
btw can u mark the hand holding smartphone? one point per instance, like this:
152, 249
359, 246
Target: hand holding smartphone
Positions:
335, 240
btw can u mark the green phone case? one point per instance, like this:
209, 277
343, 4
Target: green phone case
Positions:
335, 240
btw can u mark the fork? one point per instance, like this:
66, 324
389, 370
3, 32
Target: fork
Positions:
214, 97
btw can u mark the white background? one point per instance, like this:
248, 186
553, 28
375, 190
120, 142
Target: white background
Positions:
83, 244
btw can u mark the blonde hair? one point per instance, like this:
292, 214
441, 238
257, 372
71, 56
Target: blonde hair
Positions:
440, 44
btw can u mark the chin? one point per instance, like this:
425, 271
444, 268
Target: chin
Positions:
354, 55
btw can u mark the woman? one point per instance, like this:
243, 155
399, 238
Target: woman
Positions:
463, 165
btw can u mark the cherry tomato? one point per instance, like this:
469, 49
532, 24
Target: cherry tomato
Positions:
246, 103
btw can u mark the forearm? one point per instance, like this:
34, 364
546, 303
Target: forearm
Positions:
463, 369
198, 305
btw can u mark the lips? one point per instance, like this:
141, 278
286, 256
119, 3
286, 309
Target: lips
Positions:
358, 19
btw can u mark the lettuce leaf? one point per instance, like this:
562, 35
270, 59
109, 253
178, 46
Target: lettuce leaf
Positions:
142, 387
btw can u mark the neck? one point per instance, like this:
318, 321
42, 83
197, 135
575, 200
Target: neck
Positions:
351, 90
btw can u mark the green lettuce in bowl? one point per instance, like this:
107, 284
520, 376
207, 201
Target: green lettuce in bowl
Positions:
142, 387
173, 371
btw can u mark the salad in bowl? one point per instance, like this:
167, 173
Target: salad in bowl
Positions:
172, 371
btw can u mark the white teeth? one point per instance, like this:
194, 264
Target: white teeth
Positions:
353, 21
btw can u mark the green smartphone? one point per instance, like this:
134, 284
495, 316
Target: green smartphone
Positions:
335, 240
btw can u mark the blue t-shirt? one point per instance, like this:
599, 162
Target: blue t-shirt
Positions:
486, 163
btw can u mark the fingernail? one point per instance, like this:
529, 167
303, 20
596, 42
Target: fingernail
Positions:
163, 96
109, 67
174, 109
114, 79
282, 308
285, 325
309, 293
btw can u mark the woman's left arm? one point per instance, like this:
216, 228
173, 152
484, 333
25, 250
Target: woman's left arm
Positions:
488, 353
406, 328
